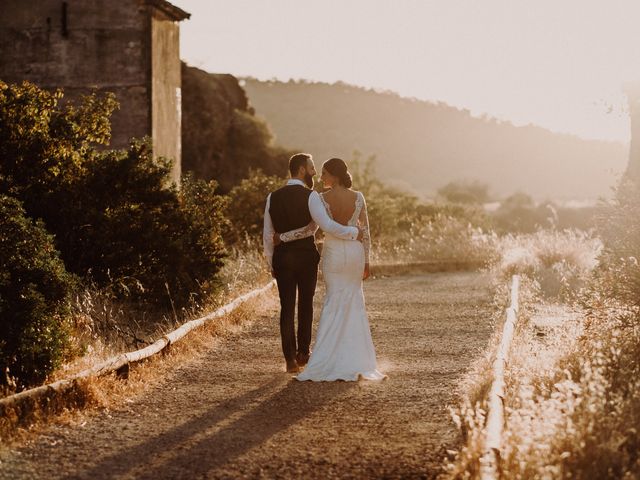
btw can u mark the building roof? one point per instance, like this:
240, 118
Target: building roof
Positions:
169, 9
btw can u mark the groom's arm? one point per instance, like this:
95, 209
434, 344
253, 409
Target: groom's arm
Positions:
267, 233
322, 218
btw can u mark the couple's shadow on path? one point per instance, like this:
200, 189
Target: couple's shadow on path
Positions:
189, 450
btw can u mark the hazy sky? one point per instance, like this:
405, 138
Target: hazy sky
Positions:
560, 64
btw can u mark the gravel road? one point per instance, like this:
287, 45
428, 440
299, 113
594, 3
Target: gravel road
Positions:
233, 412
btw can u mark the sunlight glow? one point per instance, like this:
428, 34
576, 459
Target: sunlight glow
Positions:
560, 65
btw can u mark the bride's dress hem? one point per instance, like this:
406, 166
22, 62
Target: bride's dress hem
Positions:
374, 376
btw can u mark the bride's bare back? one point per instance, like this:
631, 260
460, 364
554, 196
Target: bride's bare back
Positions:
342, 202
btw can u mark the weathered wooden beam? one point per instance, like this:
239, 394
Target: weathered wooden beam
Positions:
490, 460
123, 360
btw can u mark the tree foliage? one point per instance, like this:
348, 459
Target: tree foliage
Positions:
246, 205
114, 214
34, 298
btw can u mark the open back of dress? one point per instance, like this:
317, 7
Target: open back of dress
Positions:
344, 349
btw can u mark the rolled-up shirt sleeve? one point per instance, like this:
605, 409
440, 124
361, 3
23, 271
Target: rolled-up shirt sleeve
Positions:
267, 233
324, 221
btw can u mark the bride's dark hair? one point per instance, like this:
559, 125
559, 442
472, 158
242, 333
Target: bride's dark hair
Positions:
337, 168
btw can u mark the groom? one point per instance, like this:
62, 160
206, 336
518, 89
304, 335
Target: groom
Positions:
295, 264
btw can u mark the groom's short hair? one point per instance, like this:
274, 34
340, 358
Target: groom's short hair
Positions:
298, 160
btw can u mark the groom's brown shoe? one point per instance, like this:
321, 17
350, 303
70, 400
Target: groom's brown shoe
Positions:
302, 358
292, 367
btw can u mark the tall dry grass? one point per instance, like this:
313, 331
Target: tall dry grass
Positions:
108, 392
572, 402
105, 326
573, 398
560, 263
441, 238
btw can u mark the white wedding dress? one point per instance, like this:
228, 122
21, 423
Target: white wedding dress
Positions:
343, 349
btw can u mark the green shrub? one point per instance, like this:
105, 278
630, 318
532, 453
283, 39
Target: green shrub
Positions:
131, 230
199, 237
34, 299
44, 146
114, 214
245, 209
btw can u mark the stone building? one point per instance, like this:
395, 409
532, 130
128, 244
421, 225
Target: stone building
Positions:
128, 47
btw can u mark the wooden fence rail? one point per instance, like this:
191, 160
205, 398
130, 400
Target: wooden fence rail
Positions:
122, 361
490, 460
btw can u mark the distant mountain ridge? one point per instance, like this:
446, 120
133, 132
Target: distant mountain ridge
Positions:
425, 145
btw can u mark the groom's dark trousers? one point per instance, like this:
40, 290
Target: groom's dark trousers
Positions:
295, 266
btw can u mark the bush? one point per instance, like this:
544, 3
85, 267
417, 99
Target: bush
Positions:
115, 215
44, 147
518, 213
131, 230
560, 262
465, 192
245, 209
198, 238
34, 299
406, 229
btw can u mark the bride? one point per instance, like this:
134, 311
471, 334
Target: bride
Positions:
343, 349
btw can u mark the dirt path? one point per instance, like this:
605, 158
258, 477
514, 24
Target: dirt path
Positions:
234, 413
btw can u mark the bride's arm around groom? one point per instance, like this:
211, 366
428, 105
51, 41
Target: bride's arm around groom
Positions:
320, 218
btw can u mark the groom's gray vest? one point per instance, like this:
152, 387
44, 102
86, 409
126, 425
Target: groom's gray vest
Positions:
289, 210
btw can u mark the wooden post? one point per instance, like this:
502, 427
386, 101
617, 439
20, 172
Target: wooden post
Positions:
490, 460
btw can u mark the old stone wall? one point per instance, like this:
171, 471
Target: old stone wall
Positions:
82, 45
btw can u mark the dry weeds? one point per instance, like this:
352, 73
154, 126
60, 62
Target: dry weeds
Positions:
108, 391
572, 404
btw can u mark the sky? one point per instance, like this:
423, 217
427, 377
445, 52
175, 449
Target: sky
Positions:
560, 64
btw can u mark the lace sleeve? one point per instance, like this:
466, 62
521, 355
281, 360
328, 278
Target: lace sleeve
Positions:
363, 222
303, 232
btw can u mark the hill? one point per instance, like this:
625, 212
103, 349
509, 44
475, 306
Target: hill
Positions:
425, 145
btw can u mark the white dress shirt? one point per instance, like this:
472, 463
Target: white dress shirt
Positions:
318, 214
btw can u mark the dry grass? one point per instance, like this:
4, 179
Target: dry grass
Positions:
573, 397
559, 262
244, 272
443, 239
572, 404
104, 326
470, 414
108, 391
